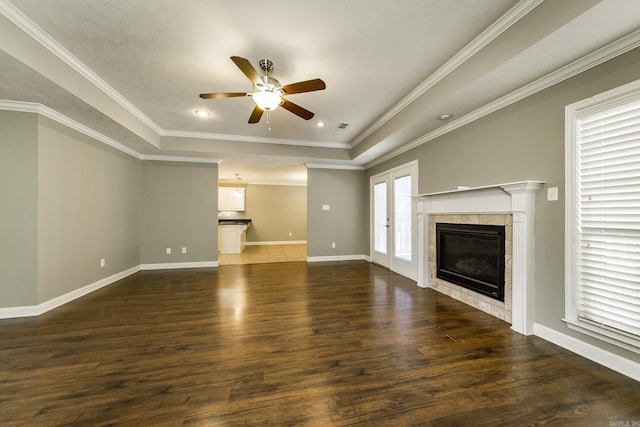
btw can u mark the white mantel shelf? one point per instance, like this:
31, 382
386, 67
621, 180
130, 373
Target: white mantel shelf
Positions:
515, 198
508, 187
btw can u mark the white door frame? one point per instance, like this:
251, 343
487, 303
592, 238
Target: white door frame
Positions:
399, 265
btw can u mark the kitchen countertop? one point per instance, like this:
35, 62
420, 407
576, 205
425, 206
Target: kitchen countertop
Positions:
234, 221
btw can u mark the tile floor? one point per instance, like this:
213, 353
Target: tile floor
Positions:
259, 254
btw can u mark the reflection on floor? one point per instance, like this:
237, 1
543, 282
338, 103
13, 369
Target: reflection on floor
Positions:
259, 254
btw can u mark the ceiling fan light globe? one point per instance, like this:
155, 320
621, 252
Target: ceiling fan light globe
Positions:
267, 100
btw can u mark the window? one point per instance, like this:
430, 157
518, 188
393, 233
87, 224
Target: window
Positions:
402, 217
380, 218
603, 216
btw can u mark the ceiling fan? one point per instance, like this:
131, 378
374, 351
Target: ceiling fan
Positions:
267, 93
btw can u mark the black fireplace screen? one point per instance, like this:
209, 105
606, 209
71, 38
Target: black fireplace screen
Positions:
472, 256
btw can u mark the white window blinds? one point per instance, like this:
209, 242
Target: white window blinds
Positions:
608, 219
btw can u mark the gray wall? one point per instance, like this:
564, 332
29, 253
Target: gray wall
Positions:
68, 201
87, 210
521, 142
346, 223
18, 208
179, 208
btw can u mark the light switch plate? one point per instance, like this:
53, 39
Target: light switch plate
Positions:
552, 194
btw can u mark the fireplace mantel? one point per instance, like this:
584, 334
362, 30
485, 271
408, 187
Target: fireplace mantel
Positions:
515, 198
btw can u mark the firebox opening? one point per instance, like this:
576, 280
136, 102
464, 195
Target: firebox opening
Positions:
472, 256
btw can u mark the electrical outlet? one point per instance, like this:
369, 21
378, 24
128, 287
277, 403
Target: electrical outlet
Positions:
552, 194
168, 251
184, 249
103, 262
333, 245
290, 234
326, 207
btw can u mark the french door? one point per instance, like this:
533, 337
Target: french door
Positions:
393, 220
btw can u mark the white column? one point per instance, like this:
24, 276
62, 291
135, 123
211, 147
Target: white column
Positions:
422, 244
523, 250
521, 304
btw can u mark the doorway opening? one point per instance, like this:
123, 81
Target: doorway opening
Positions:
266, 220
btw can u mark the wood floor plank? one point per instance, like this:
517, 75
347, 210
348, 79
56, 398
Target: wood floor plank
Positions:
292, 343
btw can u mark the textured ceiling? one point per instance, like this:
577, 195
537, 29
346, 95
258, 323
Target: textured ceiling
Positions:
132, 70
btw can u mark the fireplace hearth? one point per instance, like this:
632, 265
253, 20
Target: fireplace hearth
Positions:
472, 256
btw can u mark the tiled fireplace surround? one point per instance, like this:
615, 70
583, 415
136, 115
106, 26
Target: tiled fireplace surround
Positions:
511, 205
492, 306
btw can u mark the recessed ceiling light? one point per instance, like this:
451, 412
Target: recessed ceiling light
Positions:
446, 116
321, 124
202, 113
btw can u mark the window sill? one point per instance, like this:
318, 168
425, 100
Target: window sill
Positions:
602, 334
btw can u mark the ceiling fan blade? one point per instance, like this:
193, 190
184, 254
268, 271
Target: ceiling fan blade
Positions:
306, 86
256, 114
248, 70
296, 109
222, 95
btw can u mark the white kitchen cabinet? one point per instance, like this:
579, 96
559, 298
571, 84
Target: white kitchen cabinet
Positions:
231, 198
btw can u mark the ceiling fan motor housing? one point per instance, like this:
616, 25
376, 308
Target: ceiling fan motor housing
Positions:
266, 65
269, 84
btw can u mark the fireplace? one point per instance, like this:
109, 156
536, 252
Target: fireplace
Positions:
511, 205
472, 256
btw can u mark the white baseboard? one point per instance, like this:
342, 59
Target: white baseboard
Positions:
24, 311
178, 265
336, 258
278, 242
36, 310
603, 357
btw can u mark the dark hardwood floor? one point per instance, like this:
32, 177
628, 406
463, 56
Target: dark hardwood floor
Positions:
315, 344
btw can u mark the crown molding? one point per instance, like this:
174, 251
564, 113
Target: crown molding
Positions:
38, 34
498, 27
43, 110
595, 58
184, 159
334, 166
20, 107
256, 139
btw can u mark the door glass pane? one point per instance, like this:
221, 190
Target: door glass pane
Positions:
402, 217
380, 217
